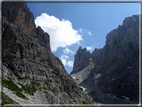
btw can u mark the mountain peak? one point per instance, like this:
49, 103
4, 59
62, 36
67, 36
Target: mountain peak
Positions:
81, 60
19, 14
31, 72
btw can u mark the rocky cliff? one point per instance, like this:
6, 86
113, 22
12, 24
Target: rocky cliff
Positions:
31, 73
116, 71
19, 14
81, 60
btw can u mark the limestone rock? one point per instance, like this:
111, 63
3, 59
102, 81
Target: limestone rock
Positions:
81, 60
43, 37
34, 72
19, 14
117, 64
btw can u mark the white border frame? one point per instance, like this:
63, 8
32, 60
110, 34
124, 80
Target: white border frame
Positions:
89, 1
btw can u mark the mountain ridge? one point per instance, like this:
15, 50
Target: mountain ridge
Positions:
32, 74
117, 62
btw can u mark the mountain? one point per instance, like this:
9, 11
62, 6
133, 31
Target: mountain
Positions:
116, 66
32, 74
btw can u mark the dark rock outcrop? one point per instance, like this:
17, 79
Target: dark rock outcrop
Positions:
117, 63
19, 14
81, 60
36, 75
43, 37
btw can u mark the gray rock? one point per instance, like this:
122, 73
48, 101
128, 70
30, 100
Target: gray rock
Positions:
19, 14
81, 60
43, 37
117, 63
28, 62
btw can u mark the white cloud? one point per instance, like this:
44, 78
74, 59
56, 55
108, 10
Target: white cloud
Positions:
89, 48
89, 33
85, 30
61, 32
80, 30
70, 63
65, 62
67, 50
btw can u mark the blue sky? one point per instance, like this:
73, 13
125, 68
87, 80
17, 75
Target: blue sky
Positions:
71, 25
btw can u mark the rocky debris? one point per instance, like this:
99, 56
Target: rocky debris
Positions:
81, 60
90, 86
117, 63
83, 74
30, 70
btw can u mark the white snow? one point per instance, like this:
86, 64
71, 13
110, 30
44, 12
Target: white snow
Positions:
115, 97
126, 98
97, 76
74, 77
84, 89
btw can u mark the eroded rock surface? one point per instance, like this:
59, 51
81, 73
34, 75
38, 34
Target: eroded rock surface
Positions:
81, 60
31, 73
116, 64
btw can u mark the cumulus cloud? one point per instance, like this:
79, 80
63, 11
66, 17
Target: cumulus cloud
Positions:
67, 51
89, 48
70, 63
64, 59
61, 32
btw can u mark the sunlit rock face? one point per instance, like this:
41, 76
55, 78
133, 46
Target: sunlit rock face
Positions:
116, 64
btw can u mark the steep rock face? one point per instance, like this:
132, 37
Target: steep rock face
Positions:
19, 14
31, 73
44, 38
117, 64
96, 54
81, 60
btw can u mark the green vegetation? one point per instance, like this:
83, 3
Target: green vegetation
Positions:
13, 87
49, 90
7, 100
20, 78
87, 101
32, 88
84, 102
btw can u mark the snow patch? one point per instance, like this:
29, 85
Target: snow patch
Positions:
85, 89
115, 97
74, 77
97, 76
126, 98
